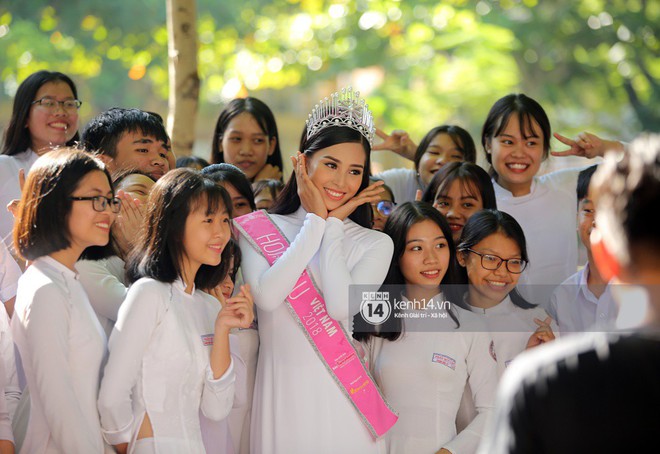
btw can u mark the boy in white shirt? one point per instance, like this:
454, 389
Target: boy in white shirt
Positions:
584, 301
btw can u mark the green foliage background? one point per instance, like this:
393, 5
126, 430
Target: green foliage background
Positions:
593, 64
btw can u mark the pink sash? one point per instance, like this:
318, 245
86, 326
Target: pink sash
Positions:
326, 335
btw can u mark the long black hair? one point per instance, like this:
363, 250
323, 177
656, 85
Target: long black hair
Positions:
288, 201
262, 115
486, 223
159, 251
397, 227
17, 136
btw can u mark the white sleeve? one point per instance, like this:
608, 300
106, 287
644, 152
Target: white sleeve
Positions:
552, 306
106, 292
139, 316
482, 377
5, 420
218, 394
46, 331
240, 370
12, 392
270, 285
9, 273
336, 278
399, 180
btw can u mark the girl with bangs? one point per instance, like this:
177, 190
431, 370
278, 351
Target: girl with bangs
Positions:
246, 136
459, 190
423, 363
169, 351
516, 139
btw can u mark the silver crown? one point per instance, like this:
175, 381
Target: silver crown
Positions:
344, 108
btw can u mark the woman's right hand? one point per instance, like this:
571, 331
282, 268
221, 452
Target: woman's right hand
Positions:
122, 448
310, 196
397, 141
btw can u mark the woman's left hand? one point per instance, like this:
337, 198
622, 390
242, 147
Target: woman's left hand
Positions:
542, 334
368, 195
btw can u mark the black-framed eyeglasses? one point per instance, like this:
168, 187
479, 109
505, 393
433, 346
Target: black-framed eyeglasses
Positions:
384, 207
51, 104
100, 203
493, 262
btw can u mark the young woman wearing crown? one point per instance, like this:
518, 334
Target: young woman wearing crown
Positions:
312, 391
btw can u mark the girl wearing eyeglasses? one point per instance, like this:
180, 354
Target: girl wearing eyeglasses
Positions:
45, 115
492, 250
68, 205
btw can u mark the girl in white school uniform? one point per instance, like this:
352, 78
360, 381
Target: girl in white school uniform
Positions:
10, 392
303, 401
492, 252
68, 205
235, 182
422, 363
169, 350
45, 115
516, 138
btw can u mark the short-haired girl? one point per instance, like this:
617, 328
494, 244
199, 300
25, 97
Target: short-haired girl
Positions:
67, 206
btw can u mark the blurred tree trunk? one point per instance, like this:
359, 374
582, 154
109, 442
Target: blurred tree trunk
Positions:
184, 79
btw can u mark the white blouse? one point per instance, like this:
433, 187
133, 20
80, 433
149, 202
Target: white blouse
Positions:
10, 393
403, 182
297, 406
10, 188
159, 365
62, 347
423, 376
9, 274
105, 283
511, 327
548, 217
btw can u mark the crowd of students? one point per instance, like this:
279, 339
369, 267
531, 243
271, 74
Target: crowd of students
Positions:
163, 305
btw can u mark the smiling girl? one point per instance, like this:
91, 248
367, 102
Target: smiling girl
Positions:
492, 249
300, 262
423, 368
60, 340
169, 351
45, 115
516, 138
